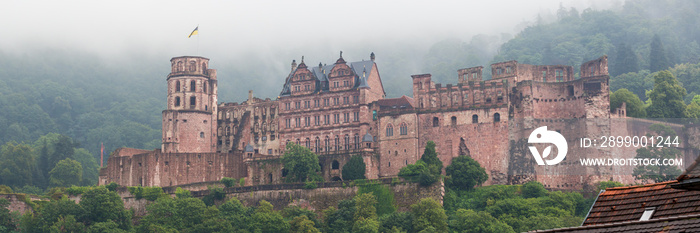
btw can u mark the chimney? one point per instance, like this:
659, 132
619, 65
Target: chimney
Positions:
250, 96
371, 56
294, 65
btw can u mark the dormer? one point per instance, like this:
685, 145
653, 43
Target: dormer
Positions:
302, 81
341, 76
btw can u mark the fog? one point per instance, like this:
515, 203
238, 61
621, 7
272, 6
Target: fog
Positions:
252, 43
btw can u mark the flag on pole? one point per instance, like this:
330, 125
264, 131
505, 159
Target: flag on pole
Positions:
194, 32
102, 153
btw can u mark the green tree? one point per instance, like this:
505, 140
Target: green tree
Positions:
102, 205
67, 224
89, 165
265, 219
658, 59
478, 222
302, 224
659, 173
430, 156
301, 163
425, 171
626, 60
401, 221
340, 220
385, 198
533, 189
16, 164
634, 106
428, 213
52, 212
603, 185
7, 223
66, 173
354, 169
693, 109
464, 173
666, 97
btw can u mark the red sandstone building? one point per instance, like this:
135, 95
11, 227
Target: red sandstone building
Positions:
340, 110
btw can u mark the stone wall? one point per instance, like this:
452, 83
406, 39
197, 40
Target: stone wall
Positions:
17, 202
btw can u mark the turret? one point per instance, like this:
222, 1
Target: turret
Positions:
189, 119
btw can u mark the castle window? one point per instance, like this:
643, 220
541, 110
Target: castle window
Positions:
205, 87
307, 121
496, 117
436, 122
336, 118
346, 119
180, 67
374, 115
356, 116
403, 129
177, 101
298, 122
508, 70
475, 119
346, 100
204, 67
544, 76
287, 123
335, 165
420, 86
287, 106
317, 120
201, 134
499, 71
307, 143
474, 75
347, 142
356, 141
337, 143
193, 66
193, 85
453, 120
316, 103
327, 144
570, 89
193, 101
355, 99
177, 86
559, 75
317, 144
389, 130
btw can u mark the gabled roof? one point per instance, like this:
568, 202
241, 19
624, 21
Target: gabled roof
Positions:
628, 203
358, 68
403, 102
687, 223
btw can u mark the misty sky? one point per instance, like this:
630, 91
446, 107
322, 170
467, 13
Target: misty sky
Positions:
274, 32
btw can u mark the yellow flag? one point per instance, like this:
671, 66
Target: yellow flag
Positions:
194, 32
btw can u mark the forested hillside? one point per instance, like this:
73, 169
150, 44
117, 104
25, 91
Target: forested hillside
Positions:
118, 101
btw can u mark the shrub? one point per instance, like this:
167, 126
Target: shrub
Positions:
310, 185
241, 182
228, 182
152, 193
112, 187
76, 190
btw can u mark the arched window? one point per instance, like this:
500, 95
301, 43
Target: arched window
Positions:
496, 117
403, 129
204, 89
193, 66
180, 67
436, 122
337, 143
269, 178
307, 143
347, 142
204, 67
335, 165
193, 84
327, 144
193, 101
177, 101
453, 120
475, 118
317, 144
177, 86
356, 141
389, 130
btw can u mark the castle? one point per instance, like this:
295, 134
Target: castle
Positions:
340, 110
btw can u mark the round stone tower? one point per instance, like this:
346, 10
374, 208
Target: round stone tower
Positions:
190, 118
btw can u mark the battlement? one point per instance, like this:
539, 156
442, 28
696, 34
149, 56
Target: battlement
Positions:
191, 65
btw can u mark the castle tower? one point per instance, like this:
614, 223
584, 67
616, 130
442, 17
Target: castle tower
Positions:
189, 121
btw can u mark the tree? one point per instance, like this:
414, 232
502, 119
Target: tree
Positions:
267, 220
385, 198
401, 221
302, 224
634, 106
661, 172
365, 219
464, 173
89, 165
16, 164
340, 220
301, 163
693, 109
478, 222
428, 213
626, 60
102, 205
658, 59
666, 97
354, 169
425, 171
430, 155
66, 173
7, 223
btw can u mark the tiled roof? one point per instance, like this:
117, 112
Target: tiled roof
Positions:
628, 203
401, 102
687, 223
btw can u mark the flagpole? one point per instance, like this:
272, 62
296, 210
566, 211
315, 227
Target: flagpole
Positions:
198, 39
